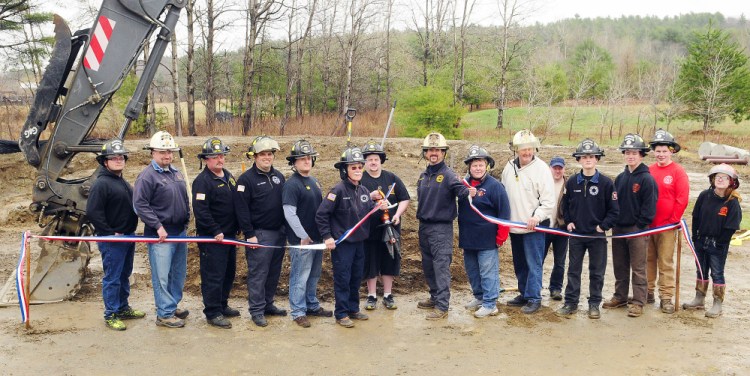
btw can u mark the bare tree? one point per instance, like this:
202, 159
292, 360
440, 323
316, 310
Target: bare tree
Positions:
294, 55
459, 49
429, 22
176, 89
361, 13
190, 67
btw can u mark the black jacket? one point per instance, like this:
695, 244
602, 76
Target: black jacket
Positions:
258, 201
110, 205
589, 203
344, 206
637, 194
213, 204
437, 190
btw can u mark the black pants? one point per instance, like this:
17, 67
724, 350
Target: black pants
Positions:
597, 248
218, 263
348, 261
264, 269
559, 245
436, 245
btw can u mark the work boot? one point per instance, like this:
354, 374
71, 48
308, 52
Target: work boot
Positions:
436, 314
473, 305
230, 312
260, 320
389, 302
614, 303
567, 310
113, 322
272, 310
346, 322
181, 313
555, 295
715, 310
170, 322
666, 306
358, 316
483, 312
130, 313
701, 287
650, 298
594, 311
518, 301
320, 312
372, 301
426, 304
302, 321
220, 322
635, 310
531, 307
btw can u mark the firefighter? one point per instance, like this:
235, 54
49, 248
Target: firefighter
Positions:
110, 210
161, 201
261, 218
213, 207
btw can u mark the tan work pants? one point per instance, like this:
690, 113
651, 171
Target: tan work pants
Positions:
661, 258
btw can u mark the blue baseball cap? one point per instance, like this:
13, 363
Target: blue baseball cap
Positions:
557, 161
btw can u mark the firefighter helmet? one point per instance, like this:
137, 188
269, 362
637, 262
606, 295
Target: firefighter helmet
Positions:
524, 139
662, 137
262, 143
349, 156
588, 147
302, 148
372, 147
634, 142
213, 146
434, 140
112, 147
477, 152
727, 170
162, 140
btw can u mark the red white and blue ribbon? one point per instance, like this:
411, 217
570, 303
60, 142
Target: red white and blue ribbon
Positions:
20, 274
689, 242
350, 231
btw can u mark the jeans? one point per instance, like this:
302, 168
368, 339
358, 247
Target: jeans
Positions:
168, 269
559, 251
306, 265
117, 262
528, 256
264, 270
660, 259
218, 264
483, 270
436, 246
712, 257
597, 248
348, 263
630, 255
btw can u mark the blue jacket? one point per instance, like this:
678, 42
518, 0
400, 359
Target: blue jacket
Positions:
437, 189
473, 231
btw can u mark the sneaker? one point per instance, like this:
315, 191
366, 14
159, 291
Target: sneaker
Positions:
635, 310
666, 306
272, 310
426, 304
556, 295
650, 298
531, 307
346, 322
389, 302
358, 316
170, 322
130, 313
113, 322
181, 313
260, 320
436, 314
371, 302
518, 301
220, 322
594, 311
302, 321
320, 312
484, 312
473, 305
567, 310
230, 312
614, 303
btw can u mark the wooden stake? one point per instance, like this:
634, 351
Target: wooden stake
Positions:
677, 273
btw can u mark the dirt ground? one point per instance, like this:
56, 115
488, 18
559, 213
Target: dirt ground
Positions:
70, 338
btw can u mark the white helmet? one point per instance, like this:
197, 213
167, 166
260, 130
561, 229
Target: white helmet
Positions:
727, 170
162, 140
434, 140
262, 143
524, 139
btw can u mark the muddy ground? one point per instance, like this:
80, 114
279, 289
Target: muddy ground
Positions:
70, 338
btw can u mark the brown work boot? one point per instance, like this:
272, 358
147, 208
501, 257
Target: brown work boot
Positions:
715, 311
635, 310
170, 322
302, 321
614, 303
666, 306
701, 287
346, 322
426, 304
436, 314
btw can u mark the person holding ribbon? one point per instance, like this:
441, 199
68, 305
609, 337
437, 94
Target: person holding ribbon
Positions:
343, 216
480, 238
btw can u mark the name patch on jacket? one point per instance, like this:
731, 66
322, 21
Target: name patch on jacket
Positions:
240, 188
200, 196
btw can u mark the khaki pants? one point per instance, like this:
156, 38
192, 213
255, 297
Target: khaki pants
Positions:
661, 257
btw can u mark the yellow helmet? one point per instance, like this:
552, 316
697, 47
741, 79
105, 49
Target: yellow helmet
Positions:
434, 140
162, 140
262, 143
524, 139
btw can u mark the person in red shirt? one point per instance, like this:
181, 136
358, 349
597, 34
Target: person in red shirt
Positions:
674, 190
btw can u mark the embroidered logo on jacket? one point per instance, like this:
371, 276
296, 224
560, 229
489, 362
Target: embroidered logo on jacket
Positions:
636, 187
593, 190
439, 178
276, 180
723, 211
364, 198
668, 179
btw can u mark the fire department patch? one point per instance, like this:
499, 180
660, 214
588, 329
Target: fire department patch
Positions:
668, 179
308, 187
331, 196
364, 198
723, 211
593, 190
276, 180
439, 178
636, 187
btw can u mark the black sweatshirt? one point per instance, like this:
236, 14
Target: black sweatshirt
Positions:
258, 201
637, 194
110, 205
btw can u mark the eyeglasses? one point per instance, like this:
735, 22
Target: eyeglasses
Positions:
116, 158
722, 178
355, 167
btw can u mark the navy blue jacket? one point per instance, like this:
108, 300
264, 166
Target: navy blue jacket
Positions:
437, 190
213, 204
491, 199
343, 206
637, 194
590, 203
258, 200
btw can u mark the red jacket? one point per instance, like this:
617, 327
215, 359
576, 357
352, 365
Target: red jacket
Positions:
674, 191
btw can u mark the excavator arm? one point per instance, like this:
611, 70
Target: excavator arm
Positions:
85, 70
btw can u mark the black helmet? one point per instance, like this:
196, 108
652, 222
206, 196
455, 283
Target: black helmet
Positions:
110, 148
302, 148
662, 137
588, 147
634, 142
372, 147
349, 156
213, 146
476, 152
